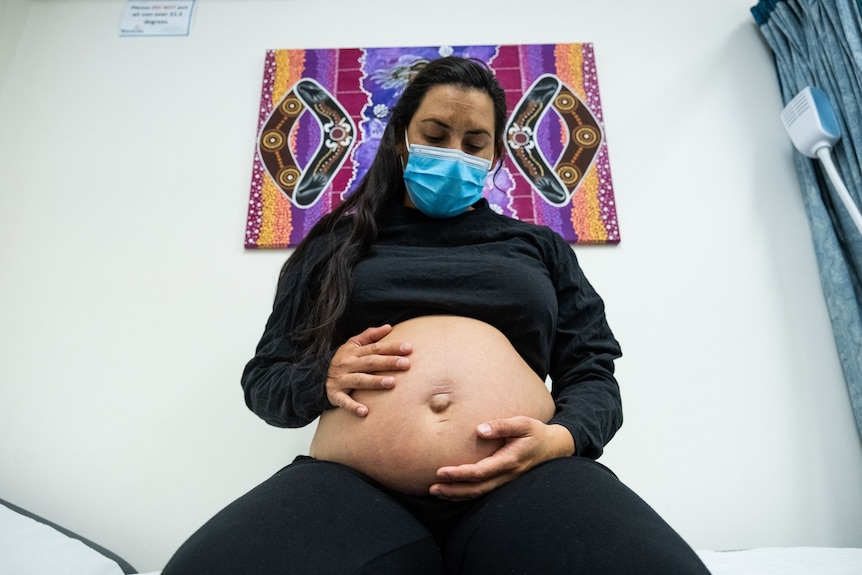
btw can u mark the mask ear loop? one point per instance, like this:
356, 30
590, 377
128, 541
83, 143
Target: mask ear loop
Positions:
406, 150
498, 158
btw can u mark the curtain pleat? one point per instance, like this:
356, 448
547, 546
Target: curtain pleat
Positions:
819, 43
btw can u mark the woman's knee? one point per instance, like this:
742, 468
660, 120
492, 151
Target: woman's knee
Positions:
293, 521
568, 515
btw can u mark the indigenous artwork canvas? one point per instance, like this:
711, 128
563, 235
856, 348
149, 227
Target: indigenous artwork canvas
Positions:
323, 112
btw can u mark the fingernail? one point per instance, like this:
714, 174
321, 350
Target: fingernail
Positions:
388, 382
484, 429
402, 363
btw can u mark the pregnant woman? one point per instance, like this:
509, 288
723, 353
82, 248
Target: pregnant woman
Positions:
418, 328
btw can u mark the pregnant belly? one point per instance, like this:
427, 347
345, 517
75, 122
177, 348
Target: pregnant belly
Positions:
463, 372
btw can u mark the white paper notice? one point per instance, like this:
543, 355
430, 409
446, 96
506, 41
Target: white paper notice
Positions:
157, 18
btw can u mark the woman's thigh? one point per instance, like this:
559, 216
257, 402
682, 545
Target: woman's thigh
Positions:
310, 517
568, 515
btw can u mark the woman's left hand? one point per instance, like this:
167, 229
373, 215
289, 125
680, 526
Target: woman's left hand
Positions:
529, 442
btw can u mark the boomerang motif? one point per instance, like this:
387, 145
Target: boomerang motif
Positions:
556, 183
304, 186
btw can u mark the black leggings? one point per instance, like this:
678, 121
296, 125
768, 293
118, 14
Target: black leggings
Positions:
568, 515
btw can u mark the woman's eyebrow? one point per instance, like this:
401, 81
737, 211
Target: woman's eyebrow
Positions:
443, 124
440, 123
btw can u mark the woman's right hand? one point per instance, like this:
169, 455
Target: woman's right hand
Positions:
356, 363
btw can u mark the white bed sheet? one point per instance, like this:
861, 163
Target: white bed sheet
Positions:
785, 561
28, 547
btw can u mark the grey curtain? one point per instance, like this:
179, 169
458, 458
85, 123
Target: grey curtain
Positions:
819, 43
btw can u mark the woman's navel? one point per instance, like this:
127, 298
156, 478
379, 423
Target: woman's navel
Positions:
441, 397
440, 402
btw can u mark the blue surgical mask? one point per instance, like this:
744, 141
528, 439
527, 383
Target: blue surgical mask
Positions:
441, 182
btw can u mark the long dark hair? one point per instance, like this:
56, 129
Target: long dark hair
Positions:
382, 185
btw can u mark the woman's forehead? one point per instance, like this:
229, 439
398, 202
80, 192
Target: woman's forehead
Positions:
451, 104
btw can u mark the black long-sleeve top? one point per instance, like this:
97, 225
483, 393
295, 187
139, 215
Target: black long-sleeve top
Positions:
522, 278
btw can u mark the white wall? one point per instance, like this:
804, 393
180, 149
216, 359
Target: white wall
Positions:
13, 16
128, 305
